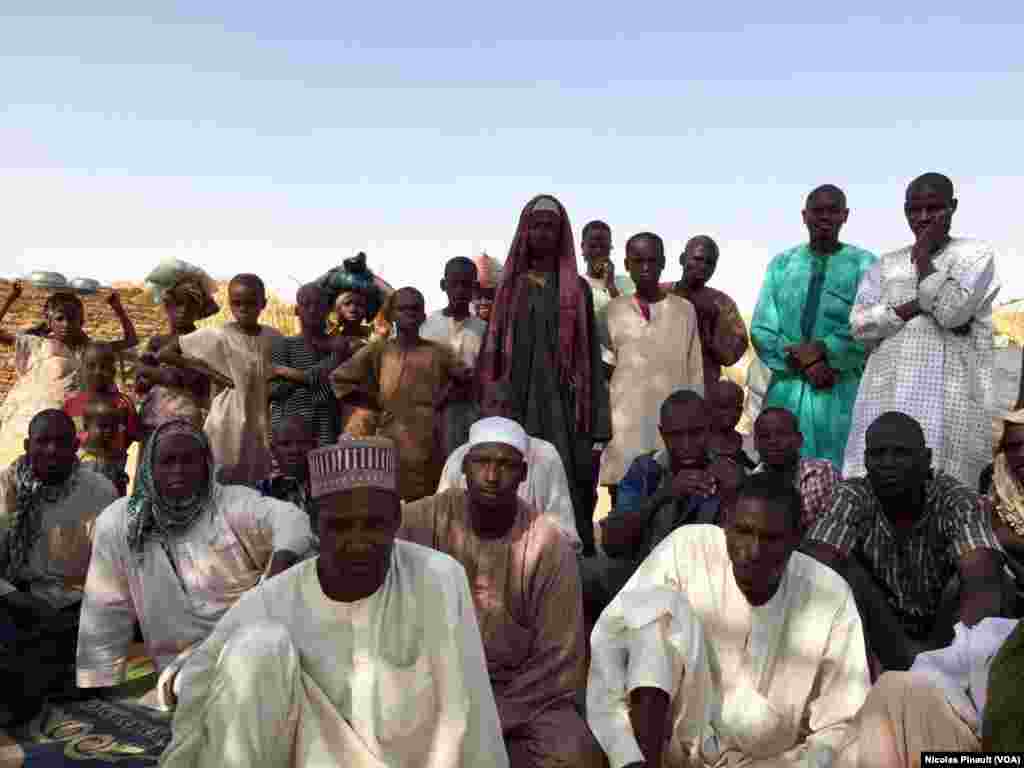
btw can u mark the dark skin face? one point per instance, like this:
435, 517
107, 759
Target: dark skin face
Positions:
644, 264
543, 234
458, 284
760, 538
1013, 447
409, 312
927, 207
99, 369
291, 443
103, 422
312, 308
357, 535
726, 406
247, 302
51, 450
179, 466
824, 216
484, 298
65, 322
897, 463
181, 313
684, 428
493, 474
352, 308
597, 249
777, 439
698, 262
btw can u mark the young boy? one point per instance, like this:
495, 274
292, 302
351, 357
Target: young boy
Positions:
99, 380
408, 379
455, 328
726, 400
291, 441
301, 365
237, 424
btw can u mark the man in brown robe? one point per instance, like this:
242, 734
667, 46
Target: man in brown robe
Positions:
408, 378
526, 589
723, 334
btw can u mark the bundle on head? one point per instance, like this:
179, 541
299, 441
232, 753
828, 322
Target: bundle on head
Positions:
355, 275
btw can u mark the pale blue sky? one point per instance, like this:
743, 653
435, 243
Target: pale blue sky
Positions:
279, 138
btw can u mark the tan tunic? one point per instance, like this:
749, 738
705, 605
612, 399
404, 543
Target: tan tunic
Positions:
652, 360
526, 590
407, 385
238, 422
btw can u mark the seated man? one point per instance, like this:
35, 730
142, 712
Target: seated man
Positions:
726, 646
368, 655
546, 487
291, 440
660, 492
916, 546
175, 556
48, 506
726, 400
938, 706
778, 440
526, 590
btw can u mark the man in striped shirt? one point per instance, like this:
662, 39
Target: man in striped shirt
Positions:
914, 544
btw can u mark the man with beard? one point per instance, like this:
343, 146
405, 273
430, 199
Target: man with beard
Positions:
801, 327
916, 546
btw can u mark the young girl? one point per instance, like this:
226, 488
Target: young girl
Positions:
239, 354
109, 424
47, 359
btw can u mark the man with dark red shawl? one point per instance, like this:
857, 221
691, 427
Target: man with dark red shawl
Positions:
541, 339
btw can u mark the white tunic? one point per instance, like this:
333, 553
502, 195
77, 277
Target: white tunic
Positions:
546, 487
923, 369
652, 360
395, 680
462, 337
745, 682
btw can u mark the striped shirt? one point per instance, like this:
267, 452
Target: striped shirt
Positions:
313, 401
915, 567
815, 481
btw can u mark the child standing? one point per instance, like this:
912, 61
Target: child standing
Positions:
454, 327
106, 451
47, 358
240, 352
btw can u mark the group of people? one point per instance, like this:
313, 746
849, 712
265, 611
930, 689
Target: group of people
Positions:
373, 543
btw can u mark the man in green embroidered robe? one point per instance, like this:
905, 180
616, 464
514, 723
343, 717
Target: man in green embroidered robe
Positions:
801, 327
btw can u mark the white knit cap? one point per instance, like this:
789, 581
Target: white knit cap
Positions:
496, 429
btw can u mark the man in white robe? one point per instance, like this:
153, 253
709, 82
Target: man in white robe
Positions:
546, 487
727, 646
925, 312
368, 656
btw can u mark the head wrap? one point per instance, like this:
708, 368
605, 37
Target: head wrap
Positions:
574, 352
1008, 490
24, 529
488, 270
154, 516
355, 275
370, 462
496, 429
185, 281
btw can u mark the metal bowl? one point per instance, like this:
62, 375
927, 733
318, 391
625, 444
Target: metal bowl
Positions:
85, 285
48, 280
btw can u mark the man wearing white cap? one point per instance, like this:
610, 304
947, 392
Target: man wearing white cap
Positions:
526, 589
368, 656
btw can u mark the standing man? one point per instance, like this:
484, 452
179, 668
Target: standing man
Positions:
927, 311
723, 334
801, 328
542, 338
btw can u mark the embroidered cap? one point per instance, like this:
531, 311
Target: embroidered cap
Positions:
369, 462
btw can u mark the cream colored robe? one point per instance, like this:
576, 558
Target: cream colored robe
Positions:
652, 360
747, 685
292, 678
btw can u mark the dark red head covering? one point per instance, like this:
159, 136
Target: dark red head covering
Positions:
573, 323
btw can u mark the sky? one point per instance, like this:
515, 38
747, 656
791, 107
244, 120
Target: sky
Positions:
279, 138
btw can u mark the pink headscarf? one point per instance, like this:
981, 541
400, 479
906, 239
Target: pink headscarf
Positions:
573, 323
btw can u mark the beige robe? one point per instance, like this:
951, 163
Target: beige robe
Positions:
652, 360
526, 590
408, 386
238, 424
292, 678
772, 685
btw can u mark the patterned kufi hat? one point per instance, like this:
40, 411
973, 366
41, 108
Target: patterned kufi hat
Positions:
369, 462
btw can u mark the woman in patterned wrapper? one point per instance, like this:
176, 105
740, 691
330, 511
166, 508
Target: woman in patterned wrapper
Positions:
169, 392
